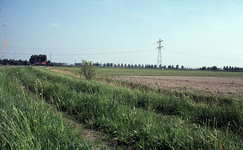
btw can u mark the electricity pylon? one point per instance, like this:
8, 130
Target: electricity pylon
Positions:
159, 57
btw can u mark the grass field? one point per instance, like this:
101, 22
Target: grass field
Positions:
101, 72
130, 119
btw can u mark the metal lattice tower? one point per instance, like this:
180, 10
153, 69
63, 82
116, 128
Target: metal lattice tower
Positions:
159, 57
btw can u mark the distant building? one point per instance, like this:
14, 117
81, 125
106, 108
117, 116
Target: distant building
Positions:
43, 63
98, 64
77, 64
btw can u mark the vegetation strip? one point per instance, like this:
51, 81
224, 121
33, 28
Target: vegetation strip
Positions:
138, 120
27, 123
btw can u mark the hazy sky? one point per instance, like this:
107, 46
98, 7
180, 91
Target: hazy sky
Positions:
196, 33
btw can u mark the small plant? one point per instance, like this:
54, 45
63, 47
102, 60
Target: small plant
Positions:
87, 70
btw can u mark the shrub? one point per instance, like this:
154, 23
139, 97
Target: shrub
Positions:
87, 69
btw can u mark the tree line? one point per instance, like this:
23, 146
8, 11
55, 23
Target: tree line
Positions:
139, 66
226, 68
42, 60
231, 68
34, 60
13, 62
175, 67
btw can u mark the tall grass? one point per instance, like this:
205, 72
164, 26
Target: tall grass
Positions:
27, 123
133, 119
199, 111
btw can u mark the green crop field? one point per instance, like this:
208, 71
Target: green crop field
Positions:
33, 100
101, 72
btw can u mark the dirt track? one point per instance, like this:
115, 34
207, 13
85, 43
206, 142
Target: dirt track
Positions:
63, 71
221, 86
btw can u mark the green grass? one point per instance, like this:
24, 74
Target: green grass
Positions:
27, 122
133, 119
101, 72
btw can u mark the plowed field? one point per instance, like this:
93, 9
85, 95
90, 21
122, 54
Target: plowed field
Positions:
220, 86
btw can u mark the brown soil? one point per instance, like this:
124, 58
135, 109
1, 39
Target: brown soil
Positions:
220, 86
63, 71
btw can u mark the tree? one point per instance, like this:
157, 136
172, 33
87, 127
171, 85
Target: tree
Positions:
37, 59
203, 68
214, 68
48, 63
227, 68
5, 62
33, 59
42, 58
25, 62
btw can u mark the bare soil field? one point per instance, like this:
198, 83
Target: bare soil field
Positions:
220, 86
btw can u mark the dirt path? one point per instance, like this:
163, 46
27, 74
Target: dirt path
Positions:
91, 135
63, 71
221, 86
94, 136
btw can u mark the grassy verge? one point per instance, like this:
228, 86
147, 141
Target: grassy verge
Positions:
139, 120
28, 123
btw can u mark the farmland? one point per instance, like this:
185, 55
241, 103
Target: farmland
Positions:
102, 72
219, 83
33, 100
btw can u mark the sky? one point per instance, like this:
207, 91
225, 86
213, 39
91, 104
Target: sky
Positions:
195, 33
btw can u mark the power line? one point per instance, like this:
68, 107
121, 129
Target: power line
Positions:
87, 48
105, 53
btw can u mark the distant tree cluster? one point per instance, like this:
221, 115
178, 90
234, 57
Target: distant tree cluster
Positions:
37, 59
175, 67
230, 68
226, 68
13, 62
208, 68
34, 60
